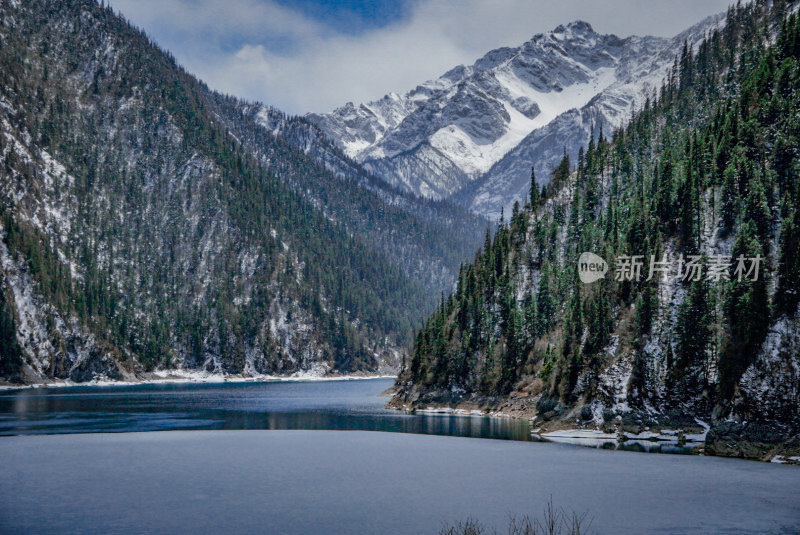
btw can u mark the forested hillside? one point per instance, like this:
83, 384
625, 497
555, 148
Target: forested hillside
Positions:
140, 233
428, 239
704, 174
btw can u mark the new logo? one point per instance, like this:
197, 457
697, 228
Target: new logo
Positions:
591, 268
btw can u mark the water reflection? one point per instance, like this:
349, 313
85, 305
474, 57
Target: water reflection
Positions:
331, 405
644, 446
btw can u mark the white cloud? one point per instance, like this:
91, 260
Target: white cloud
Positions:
262, 51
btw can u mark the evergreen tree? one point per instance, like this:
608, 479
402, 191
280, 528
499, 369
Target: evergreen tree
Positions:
730, 199
693, 338
787, 295
545, 301
561, 172
746, 307
534, 193
10, 352
756, 207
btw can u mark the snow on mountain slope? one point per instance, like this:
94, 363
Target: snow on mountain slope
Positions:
444, 136
636, 78
448, 132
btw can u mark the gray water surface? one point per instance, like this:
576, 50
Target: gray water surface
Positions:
332, 482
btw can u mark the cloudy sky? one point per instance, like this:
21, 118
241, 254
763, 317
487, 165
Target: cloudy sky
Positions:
307, 55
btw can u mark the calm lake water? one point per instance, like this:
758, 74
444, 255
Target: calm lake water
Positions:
290, 470
331, 405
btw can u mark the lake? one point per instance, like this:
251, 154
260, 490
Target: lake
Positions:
345, 405
273, 458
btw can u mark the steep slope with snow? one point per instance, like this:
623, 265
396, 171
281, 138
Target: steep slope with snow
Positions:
140, 230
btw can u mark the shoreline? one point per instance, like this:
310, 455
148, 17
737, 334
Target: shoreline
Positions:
707, 440
194, 377
561, 429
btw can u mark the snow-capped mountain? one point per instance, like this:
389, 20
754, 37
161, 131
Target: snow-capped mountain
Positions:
450, 135
637, 77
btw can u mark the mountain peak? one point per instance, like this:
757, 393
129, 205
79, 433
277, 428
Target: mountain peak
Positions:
447, 133
580, 27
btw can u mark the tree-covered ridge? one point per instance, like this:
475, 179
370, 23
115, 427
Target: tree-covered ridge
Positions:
708, 166
428, 239
138, 232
